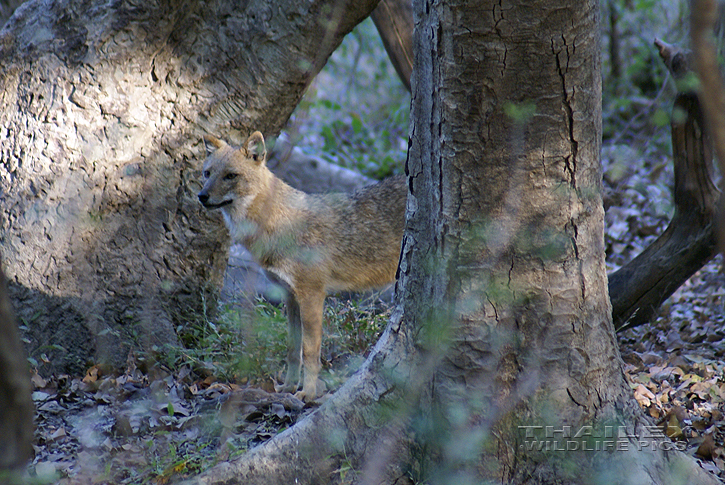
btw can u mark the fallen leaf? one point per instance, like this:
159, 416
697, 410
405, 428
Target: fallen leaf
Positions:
673, 429
706, 447
681, 413
57, 434
92, 375
643, 395
37, 381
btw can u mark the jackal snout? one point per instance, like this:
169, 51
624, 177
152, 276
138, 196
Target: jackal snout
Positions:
204, 199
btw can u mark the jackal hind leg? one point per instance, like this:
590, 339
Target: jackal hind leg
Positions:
294, 345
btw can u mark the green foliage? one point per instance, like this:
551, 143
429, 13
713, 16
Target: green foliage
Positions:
637, 88
356, 112
239, 344
250, 345
353, 327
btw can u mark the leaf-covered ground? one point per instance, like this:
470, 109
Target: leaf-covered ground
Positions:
153, 424
674, 365
148, 428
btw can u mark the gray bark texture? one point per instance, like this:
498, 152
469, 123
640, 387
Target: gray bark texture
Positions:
502, 317
102, 109
7, 7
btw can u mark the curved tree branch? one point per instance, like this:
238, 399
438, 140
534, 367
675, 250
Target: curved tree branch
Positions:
638, 289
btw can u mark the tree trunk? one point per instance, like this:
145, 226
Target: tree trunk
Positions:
7, 7
501, 348
637, 289
102, 109
510, 144
711, 88
16, 407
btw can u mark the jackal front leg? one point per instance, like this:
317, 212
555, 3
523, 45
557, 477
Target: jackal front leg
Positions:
311, 305
294, 346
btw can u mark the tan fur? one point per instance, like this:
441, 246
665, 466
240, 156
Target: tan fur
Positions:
315, 244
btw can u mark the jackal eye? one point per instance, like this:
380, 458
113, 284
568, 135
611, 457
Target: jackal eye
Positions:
230, 176
206, 174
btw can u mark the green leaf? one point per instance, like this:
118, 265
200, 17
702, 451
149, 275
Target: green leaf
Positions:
660, 118
357, 125
520, 112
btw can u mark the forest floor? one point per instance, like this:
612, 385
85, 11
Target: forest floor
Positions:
155, 425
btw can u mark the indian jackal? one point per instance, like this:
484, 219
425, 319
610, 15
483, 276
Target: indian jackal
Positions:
314, 244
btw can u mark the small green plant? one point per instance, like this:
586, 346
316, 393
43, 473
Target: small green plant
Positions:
353, 143
354, 325
250, 344
167, 460
352, 328
241, 344
265, 346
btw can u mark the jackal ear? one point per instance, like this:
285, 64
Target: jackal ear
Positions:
255, 148
213, 144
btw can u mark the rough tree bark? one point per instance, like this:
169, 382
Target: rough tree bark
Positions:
637, 289
102, 107
502, 323
7, 7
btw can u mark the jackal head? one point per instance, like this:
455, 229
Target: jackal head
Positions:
233, 177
